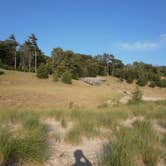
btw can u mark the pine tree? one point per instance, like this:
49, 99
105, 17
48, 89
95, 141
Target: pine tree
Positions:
13, 44
33, 40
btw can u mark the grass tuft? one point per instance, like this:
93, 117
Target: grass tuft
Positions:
16, 147
132, 143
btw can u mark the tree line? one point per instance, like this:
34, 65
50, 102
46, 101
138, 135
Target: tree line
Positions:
29, 57
24, 57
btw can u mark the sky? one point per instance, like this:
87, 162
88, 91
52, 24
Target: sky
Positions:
132, 30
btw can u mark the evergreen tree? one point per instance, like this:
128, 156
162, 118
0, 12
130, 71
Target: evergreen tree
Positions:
33, 40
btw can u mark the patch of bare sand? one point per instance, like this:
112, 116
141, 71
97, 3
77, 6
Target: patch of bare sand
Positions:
159, 128
64, 154
128, 96
146, 98
129, 121
161, 163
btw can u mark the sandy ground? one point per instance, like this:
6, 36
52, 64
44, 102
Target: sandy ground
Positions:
64, 154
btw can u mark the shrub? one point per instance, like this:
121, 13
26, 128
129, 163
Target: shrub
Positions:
152, 84
136, 96
2, 72
55, 76
63, 123
67, 77
129, 75
162, 83
42, 71
129, 80
142, 81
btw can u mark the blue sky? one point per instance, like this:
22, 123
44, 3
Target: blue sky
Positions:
130, 29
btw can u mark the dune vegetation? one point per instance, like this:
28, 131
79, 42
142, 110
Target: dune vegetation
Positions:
68, 107
131, 134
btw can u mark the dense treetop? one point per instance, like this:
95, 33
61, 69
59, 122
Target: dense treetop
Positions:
28, 57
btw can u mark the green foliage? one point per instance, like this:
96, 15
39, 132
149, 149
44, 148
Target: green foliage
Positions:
55, 76
2, 72
42, 71
161, 83
128, 74
142, 81
131, 143
26, 143
74, 136
152, 84
136, 96
28, 56
64, 122
164, 140
129, 79
49, 68
67, 77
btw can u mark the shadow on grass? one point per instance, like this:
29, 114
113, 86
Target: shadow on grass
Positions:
79, 156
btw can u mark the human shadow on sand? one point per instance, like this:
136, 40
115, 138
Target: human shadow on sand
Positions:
79, 156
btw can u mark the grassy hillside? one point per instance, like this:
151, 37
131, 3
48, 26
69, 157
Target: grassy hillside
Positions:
50, 123
24, 90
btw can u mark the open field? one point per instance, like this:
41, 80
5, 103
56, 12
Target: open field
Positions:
54, 124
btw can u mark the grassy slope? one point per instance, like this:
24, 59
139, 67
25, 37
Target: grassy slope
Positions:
24, 90
21, 128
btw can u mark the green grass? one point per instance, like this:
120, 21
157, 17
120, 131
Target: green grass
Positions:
74, 136
132, 145
64, 123
87, 123
23, 138
26, 144
164, 140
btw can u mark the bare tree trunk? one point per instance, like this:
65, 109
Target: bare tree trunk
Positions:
29, 63
35, 61
23, 64
15, 61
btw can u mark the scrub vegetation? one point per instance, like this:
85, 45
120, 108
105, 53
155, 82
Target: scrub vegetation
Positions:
23, 136
47, 112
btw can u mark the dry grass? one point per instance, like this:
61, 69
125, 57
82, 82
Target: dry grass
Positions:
80, 114
24, 90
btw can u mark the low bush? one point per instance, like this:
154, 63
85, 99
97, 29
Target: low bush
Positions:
162, 83
142, 81
67, 78
152, 84
63, 123
42, 71
129, 80
2, 72
136, 96
55, 76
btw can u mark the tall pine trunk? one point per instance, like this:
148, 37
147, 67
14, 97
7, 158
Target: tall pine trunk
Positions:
35, 61
15, 61
29, 61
